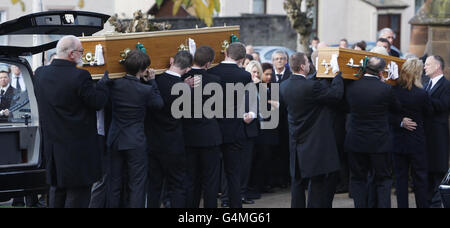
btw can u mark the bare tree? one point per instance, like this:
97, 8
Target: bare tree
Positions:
301, 19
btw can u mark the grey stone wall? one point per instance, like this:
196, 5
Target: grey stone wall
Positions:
257, 30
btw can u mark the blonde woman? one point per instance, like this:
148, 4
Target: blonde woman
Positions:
409, 135
255, 69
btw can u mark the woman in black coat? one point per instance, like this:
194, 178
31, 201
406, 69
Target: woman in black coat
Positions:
409, 140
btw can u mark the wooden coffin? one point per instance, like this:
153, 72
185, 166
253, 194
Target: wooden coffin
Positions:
160, 46
349, 71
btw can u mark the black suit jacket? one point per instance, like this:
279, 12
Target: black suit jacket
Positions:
232, 128
68, 100
311, 124
130, 99
417, 106
166, 132
370, 101
287, 74
437, 131
201, 132
6, 102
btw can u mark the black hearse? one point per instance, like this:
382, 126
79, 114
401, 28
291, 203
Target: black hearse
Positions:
22, 169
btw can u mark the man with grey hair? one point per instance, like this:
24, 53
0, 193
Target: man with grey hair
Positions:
368, 140
389, 34
68, 100
279, 61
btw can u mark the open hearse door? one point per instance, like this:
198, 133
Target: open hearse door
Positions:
21, 161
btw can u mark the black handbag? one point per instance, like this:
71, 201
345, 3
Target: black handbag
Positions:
444, 189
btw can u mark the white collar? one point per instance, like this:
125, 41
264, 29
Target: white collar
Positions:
196, 68
436, 79
372, 76
229, 62
17, 76
282, 72
173, 73
5, 88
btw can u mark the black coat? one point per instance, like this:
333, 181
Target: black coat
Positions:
68, 100
369, 101
436, 127
416, 106
130, 99
232, 128
166, 132
267, 136
312, 140
201, 132
287, 74
6, 102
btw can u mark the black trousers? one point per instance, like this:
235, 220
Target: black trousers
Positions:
202, 176
262, 168
360, 166
69, 197
321, 190
133, 162
170, 170
434, 197
417, 163
232, 166
101, 189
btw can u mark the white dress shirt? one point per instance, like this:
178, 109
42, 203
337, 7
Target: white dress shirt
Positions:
23, 87
435, 80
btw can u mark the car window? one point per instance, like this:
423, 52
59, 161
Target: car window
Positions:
14, 97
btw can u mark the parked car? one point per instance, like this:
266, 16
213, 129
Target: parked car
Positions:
22, 170
265, 52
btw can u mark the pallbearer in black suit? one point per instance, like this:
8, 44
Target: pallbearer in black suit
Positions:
202, 138
409, 137
436, 130
68, 100
368, 141
167, 156
232, 127
314, 156
126, 138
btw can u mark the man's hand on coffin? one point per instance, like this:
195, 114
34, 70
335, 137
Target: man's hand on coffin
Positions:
193, 82
409, 124
149, 75
105, 79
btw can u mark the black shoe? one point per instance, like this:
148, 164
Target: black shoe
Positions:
225, 204
247, 201
253, 196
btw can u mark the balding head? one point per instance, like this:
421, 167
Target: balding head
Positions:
69, 48
376, 65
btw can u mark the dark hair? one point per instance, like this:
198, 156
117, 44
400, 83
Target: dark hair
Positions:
384, 40
345, 40
266, 66
440, 60
361, 44
136, 61
316, 38
236, 51
183, 60
375, 65
296, 60
249, 57
204, 55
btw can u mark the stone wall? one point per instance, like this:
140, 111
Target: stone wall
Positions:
264, 30
439, 36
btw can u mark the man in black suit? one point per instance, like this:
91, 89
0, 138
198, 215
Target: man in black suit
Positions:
167, 155
368, 141
126, 138
232, 127
281, 156
389, 35
67, 100
6, 96
314, 156
436, 127
202, 138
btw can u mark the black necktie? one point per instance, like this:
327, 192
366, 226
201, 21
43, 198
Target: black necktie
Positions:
1, 95
18, 84
3, 92
428, 89
279, 76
